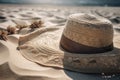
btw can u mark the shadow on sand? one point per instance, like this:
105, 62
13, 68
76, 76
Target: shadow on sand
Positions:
91, 76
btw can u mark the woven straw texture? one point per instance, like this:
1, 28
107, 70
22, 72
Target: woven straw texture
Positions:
89, 30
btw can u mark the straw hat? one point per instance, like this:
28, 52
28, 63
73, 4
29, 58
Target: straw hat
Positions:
84, 45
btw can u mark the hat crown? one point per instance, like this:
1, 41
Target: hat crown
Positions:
88, 19
88, 32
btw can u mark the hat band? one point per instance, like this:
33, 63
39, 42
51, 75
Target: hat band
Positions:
75, 47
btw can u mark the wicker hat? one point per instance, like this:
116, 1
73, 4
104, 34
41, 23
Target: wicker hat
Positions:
85, 44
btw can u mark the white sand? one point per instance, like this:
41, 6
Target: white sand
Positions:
13, 66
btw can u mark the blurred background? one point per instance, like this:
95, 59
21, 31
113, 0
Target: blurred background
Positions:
65, 2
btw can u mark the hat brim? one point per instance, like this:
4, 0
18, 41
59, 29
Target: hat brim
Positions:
42, 47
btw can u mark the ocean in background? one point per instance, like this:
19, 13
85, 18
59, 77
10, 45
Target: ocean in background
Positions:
66, 2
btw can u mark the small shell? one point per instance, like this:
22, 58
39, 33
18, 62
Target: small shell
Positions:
3, 35
36, 24
11, 30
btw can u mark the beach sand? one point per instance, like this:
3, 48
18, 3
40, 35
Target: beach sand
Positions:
13, 66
